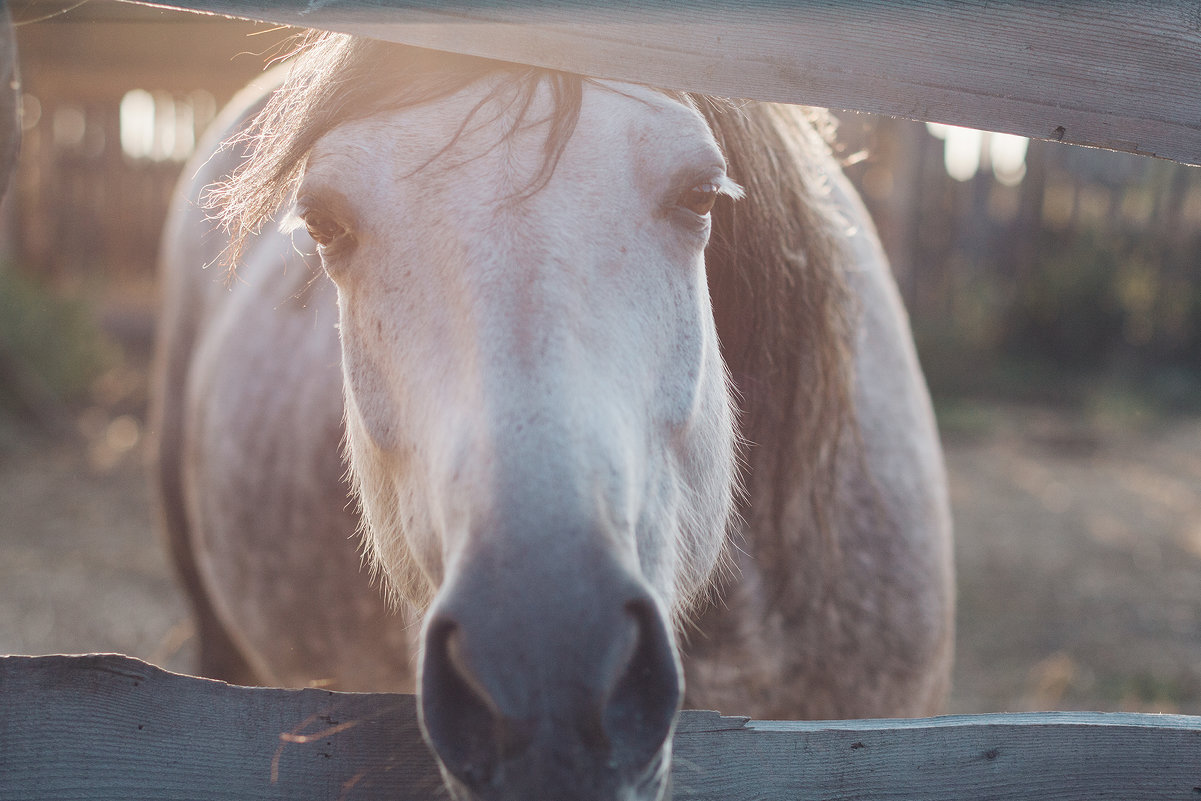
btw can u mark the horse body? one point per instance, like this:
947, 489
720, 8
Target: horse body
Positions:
541, 440
862, 626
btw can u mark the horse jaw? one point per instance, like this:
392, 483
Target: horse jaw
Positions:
539, 425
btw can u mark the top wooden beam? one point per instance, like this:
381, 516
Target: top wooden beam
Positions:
1116, 74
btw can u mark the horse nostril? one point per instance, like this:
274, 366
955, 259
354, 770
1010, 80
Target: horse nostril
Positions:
457, 713
583, 698
641, 709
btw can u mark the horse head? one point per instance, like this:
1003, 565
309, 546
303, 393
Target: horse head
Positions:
539, 421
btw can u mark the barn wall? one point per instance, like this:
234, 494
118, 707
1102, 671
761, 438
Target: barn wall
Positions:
81, 207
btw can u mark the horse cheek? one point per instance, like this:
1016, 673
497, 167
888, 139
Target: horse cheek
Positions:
365, 373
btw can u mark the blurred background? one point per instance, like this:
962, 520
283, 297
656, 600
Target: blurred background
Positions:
1054, 294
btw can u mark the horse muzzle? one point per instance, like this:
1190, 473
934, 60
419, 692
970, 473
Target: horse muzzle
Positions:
528, 694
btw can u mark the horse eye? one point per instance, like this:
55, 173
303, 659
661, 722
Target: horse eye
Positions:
700, 198
321, 227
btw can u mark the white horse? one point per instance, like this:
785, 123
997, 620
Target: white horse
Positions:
569, 424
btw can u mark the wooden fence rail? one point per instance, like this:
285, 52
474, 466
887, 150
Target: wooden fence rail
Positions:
1118, 74
87, 728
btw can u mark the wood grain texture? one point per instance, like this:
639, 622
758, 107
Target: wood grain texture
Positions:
1118, 74
87, 728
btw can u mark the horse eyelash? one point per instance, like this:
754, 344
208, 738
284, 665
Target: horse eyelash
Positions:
730, 189
291, 221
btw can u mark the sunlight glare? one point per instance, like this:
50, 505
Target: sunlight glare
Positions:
1007, 154
961, 152
165, 127
964, 150
137, 124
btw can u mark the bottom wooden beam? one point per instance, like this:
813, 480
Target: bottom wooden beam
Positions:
85, 728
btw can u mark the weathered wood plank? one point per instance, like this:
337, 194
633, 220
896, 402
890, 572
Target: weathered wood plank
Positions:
96, 727
111, 727
1118, 74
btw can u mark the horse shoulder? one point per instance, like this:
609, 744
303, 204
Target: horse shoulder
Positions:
184, 288
897, 505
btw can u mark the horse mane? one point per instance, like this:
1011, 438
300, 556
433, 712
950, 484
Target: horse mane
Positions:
776, 263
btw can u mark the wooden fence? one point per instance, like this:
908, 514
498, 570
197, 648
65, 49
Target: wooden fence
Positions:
104, 727
1119, 74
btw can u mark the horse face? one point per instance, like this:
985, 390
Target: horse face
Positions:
538, 417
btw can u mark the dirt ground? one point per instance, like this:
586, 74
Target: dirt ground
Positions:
1079, 556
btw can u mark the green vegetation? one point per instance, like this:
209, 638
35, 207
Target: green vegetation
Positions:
1148, 691
51, 349
1097, 323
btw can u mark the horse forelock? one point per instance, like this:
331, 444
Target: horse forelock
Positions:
776, 261
335, 79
